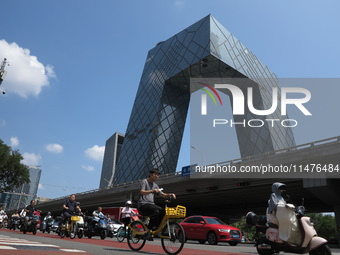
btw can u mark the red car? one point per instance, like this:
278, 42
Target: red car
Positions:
211, 229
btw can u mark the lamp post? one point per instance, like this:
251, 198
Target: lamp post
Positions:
199, 153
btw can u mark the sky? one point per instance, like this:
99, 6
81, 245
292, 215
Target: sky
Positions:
75, 67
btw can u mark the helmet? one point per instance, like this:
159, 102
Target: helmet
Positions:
128, 202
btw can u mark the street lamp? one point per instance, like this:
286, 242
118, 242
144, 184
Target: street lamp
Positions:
199, 153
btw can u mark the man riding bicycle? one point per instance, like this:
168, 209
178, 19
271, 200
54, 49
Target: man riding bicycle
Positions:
146, 205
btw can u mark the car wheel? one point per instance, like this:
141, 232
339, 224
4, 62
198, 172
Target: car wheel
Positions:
233, 243
212, 238
201, 241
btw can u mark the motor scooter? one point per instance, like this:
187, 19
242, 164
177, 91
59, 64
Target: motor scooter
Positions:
268, 235
78, 225
32, 224
14, 223
96, 228
46, 225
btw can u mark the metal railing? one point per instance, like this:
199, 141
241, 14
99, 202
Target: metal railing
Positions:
234, 161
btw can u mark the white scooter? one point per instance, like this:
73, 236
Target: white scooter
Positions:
297, 235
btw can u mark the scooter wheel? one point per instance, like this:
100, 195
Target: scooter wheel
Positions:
103, 234
80, 234
322, 250
264, 250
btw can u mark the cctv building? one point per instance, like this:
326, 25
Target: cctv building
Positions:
155, 129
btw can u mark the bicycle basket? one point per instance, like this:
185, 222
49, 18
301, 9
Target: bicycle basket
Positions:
75, 218
176, 212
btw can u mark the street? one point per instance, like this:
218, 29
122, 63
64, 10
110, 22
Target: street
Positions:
15, 242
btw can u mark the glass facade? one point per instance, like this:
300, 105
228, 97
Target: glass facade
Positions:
113, 147
203, 50
28, 191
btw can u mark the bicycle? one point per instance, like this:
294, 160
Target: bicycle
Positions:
121, 234
122, 231
172, 233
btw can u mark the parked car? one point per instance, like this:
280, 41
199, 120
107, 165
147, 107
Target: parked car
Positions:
211, 229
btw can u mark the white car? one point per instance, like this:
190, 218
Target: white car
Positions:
114, 225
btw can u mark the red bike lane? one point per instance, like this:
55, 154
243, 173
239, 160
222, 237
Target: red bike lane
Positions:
149, 247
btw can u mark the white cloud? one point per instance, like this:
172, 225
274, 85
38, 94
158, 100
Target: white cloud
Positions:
14, 141
2, 123
179, 4
88, 168
96, 152
26, 76
31, 159
54, 148
40, 186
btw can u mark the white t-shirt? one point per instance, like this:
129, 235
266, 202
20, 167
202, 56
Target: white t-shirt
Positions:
127, 212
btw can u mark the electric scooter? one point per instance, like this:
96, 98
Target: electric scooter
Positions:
268, 241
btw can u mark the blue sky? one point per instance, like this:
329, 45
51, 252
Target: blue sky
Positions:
75, 67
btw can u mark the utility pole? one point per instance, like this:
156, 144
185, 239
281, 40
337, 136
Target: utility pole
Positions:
3, 73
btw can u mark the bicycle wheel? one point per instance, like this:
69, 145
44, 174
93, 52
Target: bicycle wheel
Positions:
135, 238
121, 232
175, 240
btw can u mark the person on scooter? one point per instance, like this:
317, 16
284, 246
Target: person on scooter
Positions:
146, 205
70, 206
15, 214
96, 215
278, 190
127, 212
48, 216
30, 209
285, 222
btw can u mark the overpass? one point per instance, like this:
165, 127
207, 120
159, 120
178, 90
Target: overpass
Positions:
230, 198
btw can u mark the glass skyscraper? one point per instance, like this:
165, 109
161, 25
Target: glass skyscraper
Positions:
25, 193
204, 50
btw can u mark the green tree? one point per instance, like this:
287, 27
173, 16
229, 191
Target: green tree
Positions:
12, 172
248, 231
324, 225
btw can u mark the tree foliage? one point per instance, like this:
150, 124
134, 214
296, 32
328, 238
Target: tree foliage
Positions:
324, 225
247, 231
12, 172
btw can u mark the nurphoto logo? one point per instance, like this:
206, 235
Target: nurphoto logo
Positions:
238, 104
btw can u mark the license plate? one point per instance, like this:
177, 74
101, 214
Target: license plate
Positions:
236, 236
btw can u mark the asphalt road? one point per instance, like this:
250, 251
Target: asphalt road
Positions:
15, 242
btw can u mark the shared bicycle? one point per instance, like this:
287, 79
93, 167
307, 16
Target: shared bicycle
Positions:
171, 232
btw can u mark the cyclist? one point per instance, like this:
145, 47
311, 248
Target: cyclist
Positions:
127, 212
146, 204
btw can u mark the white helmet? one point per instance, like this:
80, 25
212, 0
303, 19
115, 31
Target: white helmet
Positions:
128, 202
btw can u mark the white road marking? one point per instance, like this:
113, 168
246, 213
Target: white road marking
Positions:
71, 250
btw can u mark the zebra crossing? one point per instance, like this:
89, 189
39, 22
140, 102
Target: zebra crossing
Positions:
11, 243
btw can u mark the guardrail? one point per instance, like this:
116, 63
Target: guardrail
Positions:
239, 160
